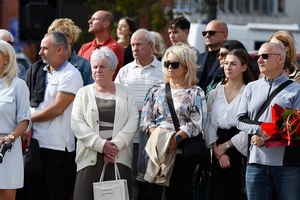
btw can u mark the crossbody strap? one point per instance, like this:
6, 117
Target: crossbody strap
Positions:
270, 98
171, 106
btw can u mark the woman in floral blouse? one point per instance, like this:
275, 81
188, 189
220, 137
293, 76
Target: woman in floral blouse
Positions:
179, 68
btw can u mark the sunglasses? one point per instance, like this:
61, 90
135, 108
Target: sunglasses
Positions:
222, 54
211, 33
174, 65
265, 55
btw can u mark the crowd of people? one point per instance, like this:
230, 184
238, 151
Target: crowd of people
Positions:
110, 103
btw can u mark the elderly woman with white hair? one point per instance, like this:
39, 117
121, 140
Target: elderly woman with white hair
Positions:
104, 120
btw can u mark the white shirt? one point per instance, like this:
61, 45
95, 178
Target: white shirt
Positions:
56, 133
222, 114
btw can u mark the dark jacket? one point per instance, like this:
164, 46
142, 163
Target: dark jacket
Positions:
36, 82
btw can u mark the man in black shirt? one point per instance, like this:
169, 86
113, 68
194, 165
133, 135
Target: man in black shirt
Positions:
216, 32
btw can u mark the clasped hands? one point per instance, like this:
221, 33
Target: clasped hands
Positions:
219, 152
110, 151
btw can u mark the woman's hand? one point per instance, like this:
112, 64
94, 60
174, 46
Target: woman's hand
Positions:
172, 145
121, 40
224, 161
220, 150
4, 139
111, 151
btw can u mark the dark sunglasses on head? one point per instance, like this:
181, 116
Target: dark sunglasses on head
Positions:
211, 33
222, 54
265, 55
174, 65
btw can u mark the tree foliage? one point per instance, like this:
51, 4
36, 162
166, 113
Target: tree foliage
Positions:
151, 11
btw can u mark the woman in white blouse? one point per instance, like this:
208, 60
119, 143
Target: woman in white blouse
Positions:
221, 134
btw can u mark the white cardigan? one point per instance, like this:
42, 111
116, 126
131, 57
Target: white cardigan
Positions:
85, 125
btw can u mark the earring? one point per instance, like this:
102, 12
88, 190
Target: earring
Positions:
5, 63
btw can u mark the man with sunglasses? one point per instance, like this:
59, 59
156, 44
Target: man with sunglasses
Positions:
5, 35
140, 75
178, 30
216, 32
278, 166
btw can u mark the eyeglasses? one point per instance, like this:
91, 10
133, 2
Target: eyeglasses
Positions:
211, 33
222, 54
174, 65
265, 56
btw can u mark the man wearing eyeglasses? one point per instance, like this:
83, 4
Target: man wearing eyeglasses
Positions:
216, 32
278, 166
140, 75
178, 30
8, 37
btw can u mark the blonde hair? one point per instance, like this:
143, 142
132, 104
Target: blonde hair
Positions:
287, 40
159, 44
67, 27
187, 58
11, 69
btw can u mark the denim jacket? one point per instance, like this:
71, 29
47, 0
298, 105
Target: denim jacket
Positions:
83, 66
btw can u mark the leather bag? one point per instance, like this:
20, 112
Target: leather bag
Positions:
193, 148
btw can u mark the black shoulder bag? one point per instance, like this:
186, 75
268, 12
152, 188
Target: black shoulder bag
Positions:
193, 148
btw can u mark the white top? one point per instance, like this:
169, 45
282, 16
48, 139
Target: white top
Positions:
14, 108
140, 80
223, 114
85, 125
56, 133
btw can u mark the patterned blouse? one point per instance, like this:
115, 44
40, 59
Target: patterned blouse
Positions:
190, 107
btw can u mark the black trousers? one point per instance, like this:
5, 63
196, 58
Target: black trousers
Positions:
56, 181
180, 183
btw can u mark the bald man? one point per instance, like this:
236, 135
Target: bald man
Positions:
101, 24
216, 32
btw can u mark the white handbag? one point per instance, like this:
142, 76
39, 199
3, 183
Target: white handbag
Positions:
111, 190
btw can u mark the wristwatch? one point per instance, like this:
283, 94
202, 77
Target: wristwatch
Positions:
11, 137
227, 145
178, 138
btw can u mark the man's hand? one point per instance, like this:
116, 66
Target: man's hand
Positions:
257, 140
26, 137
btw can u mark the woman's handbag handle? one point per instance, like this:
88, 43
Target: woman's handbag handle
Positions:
117, 174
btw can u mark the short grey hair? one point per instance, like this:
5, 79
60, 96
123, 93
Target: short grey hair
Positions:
59, 39
104, 53
276, 48
148, 35
6, 33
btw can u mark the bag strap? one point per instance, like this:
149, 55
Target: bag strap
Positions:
270, 98
171, 106
117, 174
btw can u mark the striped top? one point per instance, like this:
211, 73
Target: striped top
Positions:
140, 79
